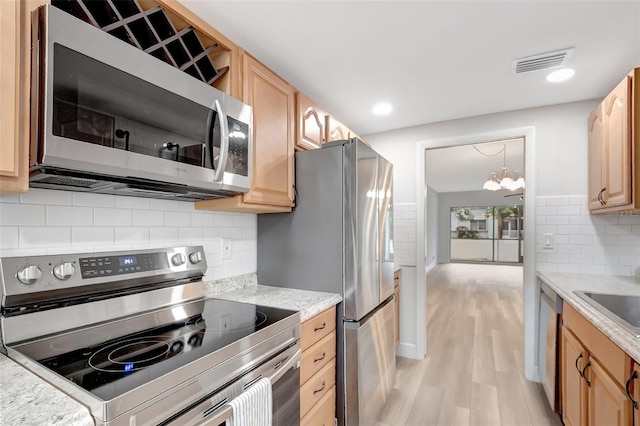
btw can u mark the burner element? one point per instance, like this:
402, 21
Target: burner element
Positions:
131, 355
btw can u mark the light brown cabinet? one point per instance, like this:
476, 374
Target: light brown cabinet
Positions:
310, 123
15, 86
594, 375
318, 369
614, 149
272, 100
396, 293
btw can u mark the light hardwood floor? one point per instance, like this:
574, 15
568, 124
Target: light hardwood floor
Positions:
473, 374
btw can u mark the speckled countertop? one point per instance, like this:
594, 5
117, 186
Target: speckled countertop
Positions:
245, 289
26, 400
565, 285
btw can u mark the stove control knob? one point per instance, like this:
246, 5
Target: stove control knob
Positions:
29, 274
178, 259
195, 257
64, 271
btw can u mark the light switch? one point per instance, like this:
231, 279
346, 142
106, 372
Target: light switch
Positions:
548, 241
226, 248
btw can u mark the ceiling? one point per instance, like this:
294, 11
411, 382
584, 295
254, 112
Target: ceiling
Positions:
463, 168
432, 60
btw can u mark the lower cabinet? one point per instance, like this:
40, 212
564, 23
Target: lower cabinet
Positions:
318, 369
596, 375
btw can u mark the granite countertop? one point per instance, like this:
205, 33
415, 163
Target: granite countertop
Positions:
27, 400
309, 303
565, 285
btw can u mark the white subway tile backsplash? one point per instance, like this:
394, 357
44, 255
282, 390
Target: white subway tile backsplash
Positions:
45, 197
233, 233
131, 235
9, 238
163, 234
211, 233
147, 218
69, 216
40, 236
607, 244
11, 199
241, 220
112, 217
93, 200
90, 236
70, 250
202, 219
132, 203
177, 219
22, 215
165, 205
190, 234
223, 220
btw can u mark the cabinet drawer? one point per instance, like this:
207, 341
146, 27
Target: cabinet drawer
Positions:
323, 413
611, 357
317, 356
316, 387
317, 327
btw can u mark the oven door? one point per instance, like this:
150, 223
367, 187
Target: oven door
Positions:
284, 372
108, 108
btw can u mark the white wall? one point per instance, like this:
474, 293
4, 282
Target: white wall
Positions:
44, 221
557, 146
431, 249
447, 200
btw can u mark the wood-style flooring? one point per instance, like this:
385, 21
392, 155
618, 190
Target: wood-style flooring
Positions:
473, 372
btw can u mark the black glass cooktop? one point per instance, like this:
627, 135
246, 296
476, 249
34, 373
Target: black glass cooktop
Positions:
114, 358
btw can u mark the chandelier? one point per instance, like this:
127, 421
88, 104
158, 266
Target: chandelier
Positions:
504, 179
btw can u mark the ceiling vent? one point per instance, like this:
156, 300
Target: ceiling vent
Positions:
541, 61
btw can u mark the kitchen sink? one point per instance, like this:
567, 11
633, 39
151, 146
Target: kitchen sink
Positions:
624, 310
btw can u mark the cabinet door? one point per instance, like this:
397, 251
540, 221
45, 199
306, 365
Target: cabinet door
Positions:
607, 402
273, 103
310, 122
633, 385
336, 131
596, 160
574, 387
618, 139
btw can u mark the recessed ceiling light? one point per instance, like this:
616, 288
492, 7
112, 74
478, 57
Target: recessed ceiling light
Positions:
382, 108
560, 75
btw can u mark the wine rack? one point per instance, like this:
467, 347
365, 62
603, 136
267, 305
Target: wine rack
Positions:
150, 29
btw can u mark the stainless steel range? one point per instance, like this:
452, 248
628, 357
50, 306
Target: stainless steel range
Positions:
131, 336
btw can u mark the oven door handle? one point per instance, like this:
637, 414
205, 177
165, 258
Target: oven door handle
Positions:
222, 416
285, 365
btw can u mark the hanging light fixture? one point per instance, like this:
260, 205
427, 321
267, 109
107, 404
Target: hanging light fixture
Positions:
504, 179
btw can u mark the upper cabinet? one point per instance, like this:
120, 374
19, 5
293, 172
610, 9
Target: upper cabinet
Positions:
310, 124
273, 103
15, 51
614, 150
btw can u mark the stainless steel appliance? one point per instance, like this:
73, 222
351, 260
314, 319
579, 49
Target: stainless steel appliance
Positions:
339, 239
549, 344
110, 118
131, 336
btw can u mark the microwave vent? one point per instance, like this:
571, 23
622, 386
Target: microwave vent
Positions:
541, 61
68, 181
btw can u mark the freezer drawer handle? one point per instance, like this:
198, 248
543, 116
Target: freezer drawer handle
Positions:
324, 355
322, 327
321, 389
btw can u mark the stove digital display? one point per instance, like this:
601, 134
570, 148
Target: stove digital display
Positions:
128, 261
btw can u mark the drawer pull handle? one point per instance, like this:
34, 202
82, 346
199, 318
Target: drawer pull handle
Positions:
626, 387
322, 327
321, 389
577, 368
324, 355
584, 373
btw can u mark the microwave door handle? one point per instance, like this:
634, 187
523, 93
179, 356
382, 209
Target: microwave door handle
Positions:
224, 143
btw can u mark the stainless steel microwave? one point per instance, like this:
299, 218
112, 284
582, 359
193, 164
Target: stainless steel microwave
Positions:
110, 118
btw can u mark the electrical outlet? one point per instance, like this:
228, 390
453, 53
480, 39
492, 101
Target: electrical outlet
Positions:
226, 248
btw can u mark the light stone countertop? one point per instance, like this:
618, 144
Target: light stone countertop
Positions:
27, 400
565, 285
309, 303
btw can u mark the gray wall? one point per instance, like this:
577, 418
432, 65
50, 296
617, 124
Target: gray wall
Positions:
447, 200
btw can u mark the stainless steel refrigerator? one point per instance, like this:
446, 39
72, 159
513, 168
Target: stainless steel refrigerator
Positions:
339, 238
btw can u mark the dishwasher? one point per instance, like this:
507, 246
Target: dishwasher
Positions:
549, 344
